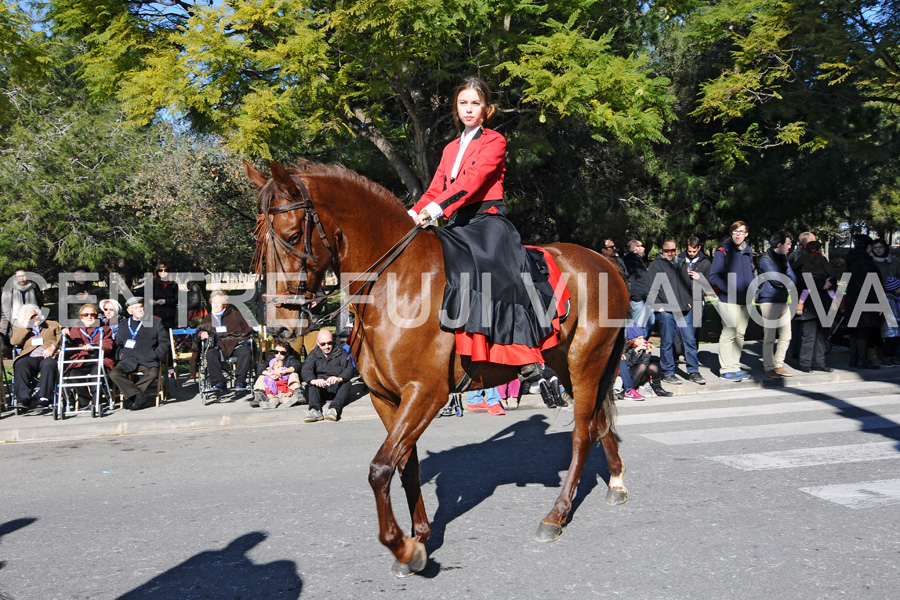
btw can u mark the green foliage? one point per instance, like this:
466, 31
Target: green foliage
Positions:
78, 186
23, 59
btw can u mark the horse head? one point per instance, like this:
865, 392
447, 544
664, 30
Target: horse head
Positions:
292, 249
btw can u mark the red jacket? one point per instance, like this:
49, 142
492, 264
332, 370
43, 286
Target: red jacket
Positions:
480, 175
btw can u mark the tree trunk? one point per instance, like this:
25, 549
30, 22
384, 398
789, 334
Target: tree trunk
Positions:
366, 130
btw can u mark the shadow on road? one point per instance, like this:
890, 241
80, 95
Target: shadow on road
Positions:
224, 574
13, 526
520, 454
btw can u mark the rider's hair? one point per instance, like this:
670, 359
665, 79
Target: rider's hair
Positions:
484, 93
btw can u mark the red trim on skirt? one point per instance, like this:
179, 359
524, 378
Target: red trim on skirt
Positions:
482, 350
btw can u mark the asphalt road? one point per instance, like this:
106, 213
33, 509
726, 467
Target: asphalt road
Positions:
747, 494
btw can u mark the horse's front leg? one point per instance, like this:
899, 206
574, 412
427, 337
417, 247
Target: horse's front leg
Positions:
410, 422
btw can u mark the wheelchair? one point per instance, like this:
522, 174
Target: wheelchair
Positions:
66, 400
208, 394
9, 387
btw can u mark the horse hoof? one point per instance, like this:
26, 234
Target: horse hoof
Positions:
416, 563
547, 533
616, 496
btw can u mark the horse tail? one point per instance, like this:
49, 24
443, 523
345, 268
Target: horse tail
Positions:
605, 404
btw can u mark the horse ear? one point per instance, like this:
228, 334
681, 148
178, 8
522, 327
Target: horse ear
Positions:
255, 176
283, 178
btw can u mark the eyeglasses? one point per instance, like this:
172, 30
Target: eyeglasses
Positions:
669, 250
89, 315
740, 231
610, 247
326, 344
109, 309
281, 352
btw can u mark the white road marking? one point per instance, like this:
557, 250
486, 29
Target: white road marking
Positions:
809, 457
750, 432
859, 495
702, 414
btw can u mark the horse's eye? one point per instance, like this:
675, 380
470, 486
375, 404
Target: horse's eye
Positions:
294, 239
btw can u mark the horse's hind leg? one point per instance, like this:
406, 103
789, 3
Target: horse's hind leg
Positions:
617, 493
583, 436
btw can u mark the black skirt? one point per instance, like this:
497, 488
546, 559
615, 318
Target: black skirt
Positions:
487, 270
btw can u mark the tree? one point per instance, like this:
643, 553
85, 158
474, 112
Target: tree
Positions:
272, 76
22, 58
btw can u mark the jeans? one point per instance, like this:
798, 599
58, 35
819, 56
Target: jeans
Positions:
643, 316
779, 315
668, 323
491, 396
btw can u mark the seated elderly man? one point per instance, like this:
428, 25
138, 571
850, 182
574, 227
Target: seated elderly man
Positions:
231, 336
39, 340
16, 293
140, 346
292, 367
327, 371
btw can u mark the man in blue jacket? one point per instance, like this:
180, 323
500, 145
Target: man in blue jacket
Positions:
731, 275
773, 303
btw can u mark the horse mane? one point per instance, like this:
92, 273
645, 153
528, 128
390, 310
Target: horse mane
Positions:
305, 169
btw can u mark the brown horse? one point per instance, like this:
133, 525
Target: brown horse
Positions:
314, 217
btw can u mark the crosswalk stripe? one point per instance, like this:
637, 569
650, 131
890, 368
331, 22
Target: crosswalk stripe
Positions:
863, 389
703, 414
859, 495
809, 457
749, 432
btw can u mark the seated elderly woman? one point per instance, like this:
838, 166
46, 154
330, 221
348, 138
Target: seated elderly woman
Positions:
230, 334
39, 340
87, 339
110, 314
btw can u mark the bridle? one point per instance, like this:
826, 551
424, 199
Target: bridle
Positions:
300, 295
297, 292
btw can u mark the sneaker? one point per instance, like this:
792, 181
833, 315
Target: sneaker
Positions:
267, 404
240, 385
496, 409
646, 390
292, 400
313, 415
735, 377
633, 395
258, 398
672, 380
480, 407
697, 378
331, 414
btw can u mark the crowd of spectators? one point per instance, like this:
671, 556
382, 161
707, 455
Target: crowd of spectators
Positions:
136, 348
789, 289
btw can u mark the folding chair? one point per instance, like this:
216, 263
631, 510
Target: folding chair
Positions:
64, 402
181, 342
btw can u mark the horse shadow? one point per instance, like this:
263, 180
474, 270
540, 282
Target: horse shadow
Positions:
226, 573
524, 454
13, 526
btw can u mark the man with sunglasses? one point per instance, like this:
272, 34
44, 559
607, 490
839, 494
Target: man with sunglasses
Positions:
292, 366
327, 372
609, 251
670, 298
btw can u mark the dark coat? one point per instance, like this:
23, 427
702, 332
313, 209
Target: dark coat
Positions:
861, 267
319, 366
151, 344
636, 277
168, 291
237, 329
772, 290
728, 258
675, 272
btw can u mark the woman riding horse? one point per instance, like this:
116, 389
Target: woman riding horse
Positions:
494, 318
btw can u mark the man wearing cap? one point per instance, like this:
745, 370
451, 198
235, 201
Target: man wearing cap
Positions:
141, 344
775, 270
